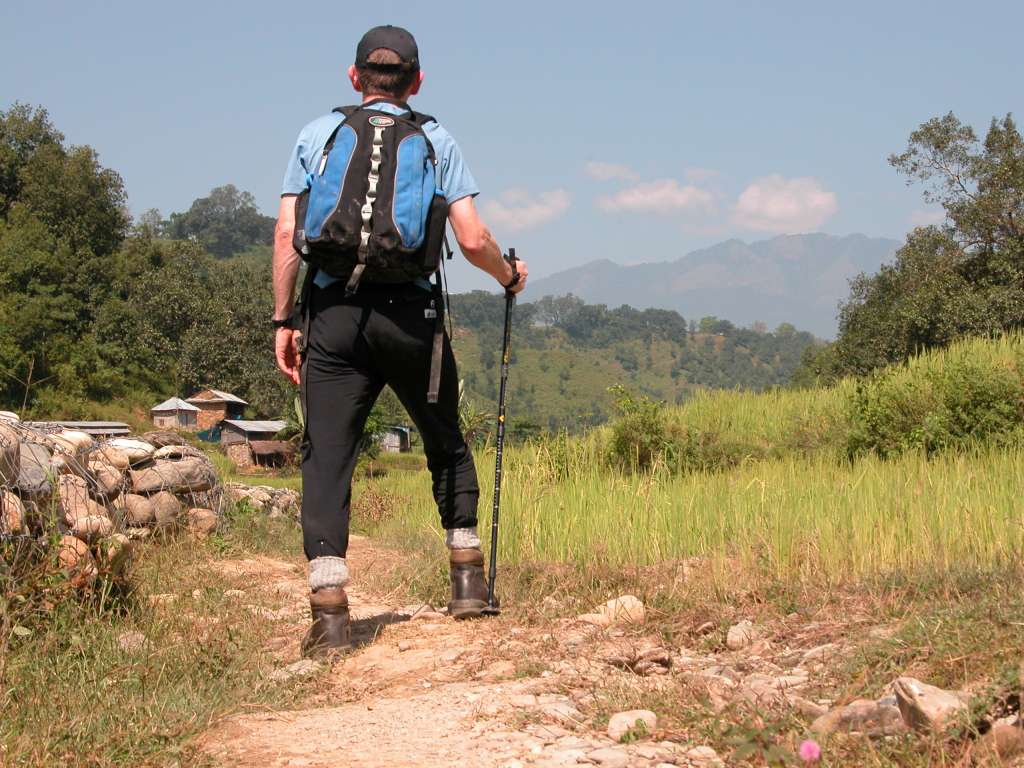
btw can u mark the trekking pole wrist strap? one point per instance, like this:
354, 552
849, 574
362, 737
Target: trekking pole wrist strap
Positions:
515, 273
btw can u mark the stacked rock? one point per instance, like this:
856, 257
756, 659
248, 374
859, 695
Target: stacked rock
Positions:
273, 502
100, 495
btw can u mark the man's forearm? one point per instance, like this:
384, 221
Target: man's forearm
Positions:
285, 269
486, 255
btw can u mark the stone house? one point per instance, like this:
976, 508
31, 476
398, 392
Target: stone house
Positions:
251, 442
215, 406
175, 413
395, 440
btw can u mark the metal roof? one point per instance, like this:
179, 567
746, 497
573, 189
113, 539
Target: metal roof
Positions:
174, 404
218, 396
247, 426
94, 428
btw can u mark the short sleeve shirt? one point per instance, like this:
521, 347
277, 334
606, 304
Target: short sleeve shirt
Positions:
456, 181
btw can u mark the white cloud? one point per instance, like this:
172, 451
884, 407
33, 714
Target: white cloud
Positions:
927, 218
601, 171
786, 206
663, 196
516, 209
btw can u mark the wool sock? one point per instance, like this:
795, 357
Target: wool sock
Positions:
327, 572
462, 538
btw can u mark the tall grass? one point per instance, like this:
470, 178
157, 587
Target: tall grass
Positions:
809, 516
775, 485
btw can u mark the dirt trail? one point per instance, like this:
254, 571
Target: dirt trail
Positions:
427, 691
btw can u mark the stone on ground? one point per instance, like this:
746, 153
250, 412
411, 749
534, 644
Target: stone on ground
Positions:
870, 718
201, 522
10, 454
301, 668
626, 609
741, 635
138, 510
75, 558
166, 508
136, 450
92, 528
12, 513
610, 757
926, 707
630, 721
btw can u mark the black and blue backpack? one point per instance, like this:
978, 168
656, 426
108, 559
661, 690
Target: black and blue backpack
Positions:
372, 209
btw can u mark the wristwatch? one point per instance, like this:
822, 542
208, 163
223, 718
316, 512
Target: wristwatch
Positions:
286, 323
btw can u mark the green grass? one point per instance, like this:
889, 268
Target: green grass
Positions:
72, 697
793, 517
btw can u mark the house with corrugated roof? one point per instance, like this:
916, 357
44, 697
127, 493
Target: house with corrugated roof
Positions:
174, 413
215, 406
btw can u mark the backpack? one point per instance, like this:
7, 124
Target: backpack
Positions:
372, 208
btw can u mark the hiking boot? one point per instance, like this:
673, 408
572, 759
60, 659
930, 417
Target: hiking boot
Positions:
469, 587
330, 633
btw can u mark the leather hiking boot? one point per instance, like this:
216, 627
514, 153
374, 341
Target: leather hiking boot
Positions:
469, 587
330, 632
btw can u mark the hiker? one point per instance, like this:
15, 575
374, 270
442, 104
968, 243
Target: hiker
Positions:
365, 187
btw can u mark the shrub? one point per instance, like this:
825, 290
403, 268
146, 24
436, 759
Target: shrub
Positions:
640, 434
969, 393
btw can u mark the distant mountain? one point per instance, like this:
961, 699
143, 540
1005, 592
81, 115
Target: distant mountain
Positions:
798, 279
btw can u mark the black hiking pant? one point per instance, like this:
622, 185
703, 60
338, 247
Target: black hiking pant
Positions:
357, 345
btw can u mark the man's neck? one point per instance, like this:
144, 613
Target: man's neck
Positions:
372, 96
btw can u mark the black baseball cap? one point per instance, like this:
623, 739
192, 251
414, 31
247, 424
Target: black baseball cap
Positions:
394, 39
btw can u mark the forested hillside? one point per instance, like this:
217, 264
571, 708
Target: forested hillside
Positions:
566, 354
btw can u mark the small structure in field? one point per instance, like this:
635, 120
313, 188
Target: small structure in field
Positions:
175, 413
395, 440
215, 406
249, 443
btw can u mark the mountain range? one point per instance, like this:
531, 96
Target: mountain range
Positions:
798, 279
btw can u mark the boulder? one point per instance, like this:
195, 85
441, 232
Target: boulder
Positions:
166, 508
72, 442
10, 454
925, 707
189, 475
10, 417
136, 450
138, 510
76, 559
74, 499
639, 722
12, 513
201, 522
34, 473
164, 438
177, 452
92, 528
114, 456
108, 478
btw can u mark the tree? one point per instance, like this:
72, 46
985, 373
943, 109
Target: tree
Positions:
965, 277
225, 223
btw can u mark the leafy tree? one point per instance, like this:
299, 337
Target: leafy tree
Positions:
965, 277
225, 223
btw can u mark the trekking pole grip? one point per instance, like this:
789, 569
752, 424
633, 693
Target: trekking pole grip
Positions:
510, 257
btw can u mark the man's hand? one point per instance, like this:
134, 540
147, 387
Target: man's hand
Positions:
521, 268
287, 352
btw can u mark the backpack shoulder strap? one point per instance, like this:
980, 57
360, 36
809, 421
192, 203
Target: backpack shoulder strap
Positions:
346, 111
420, 118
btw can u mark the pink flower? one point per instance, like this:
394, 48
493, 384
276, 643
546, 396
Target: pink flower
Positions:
810, 751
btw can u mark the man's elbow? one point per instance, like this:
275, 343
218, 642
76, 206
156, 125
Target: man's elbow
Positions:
284, 233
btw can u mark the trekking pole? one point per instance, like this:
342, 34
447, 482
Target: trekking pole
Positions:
492, 608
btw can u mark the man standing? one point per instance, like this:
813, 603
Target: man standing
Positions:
363, 335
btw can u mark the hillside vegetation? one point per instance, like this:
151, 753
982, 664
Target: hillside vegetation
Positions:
566, 354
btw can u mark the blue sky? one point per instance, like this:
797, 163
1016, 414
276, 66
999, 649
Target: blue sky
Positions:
631, 131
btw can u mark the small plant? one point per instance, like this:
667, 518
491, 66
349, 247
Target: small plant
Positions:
640, 435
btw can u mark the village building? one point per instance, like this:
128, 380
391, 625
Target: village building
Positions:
395, 440
98, 429
250, 443
175, 413
215, 406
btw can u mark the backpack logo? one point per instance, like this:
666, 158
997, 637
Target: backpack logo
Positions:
381, 122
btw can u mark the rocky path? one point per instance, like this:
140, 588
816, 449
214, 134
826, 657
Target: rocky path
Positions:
424, 690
